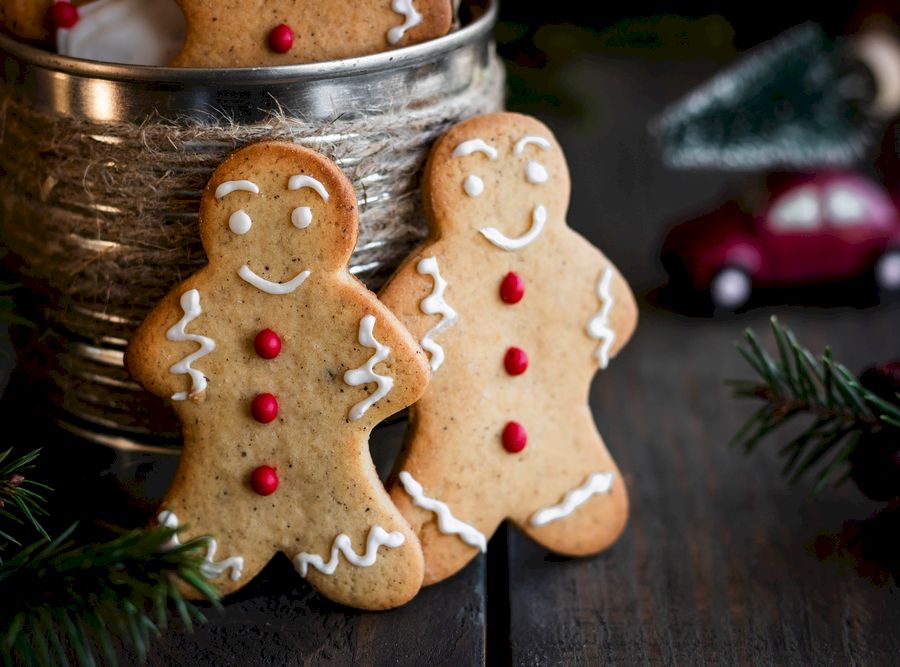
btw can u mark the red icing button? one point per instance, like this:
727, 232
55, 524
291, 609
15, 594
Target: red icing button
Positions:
515, 360
512, 289
264, 480
62, 15
281, 39
264, 408
514, 437
267, 344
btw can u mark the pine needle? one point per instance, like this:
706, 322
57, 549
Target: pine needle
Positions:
20, 501
82, 600
799, 383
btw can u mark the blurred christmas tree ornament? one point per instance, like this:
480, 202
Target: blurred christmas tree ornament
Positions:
800, 100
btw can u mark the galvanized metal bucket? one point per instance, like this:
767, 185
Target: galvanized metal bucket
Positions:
78, 350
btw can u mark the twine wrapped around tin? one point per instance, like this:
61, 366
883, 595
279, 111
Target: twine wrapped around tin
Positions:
102, 167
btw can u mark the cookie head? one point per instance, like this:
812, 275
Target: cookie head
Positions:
276, 209
501, 175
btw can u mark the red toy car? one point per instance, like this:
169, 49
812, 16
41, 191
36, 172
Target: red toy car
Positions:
816, 228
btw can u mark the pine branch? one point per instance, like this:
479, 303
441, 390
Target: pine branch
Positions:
84, 600
796, 383
8, 310
20, 498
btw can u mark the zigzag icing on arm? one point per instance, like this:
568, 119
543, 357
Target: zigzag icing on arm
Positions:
434, 304
378, 537
190, 304
447, 523
366, 373
598, 327
210, 568
598, 482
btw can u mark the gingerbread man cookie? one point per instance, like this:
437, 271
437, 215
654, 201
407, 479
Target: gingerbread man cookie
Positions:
35, 20
517, 313
279, 363
233, 33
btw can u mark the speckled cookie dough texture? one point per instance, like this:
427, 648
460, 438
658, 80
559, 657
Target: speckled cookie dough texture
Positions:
233, 33
279, 363
517, 313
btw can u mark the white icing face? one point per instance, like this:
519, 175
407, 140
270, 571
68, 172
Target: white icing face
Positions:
240, 222
534, 173
131, 32
301, 217
473, 185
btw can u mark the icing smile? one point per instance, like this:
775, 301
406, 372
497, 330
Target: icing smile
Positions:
501, 240
267, 286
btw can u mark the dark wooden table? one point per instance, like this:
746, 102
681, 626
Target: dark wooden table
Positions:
718, 564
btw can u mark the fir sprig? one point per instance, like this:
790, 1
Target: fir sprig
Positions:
64, 600
20, 500
797, 383
9, 313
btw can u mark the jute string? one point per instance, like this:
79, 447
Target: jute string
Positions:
101, 221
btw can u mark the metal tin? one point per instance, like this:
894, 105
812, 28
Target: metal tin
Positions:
91, 393
106, 92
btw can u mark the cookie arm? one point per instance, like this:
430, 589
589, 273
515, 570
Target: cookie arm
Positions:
613, 311
151, 354
404, 292
394, 371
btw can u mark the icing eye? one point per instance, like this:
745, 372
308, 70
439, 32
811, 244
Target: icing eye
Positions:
473, 185
535, 172
301, 217
239, 222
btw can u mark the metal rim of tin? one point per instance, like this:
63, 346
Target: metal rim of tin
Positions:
407, 56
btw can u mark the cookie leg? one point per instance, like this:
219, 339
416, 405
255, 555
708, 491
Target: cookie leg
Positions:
232, 554
588, 514
443, 519
359, 550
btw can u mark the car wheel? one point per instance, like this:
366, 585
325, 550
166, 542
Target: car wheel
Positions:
730, 288
887, 272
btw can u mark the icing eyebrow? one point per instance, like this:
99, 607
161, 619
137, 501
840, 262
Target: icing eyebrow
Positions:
302, 181
530, 139
228, 187
475, 146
